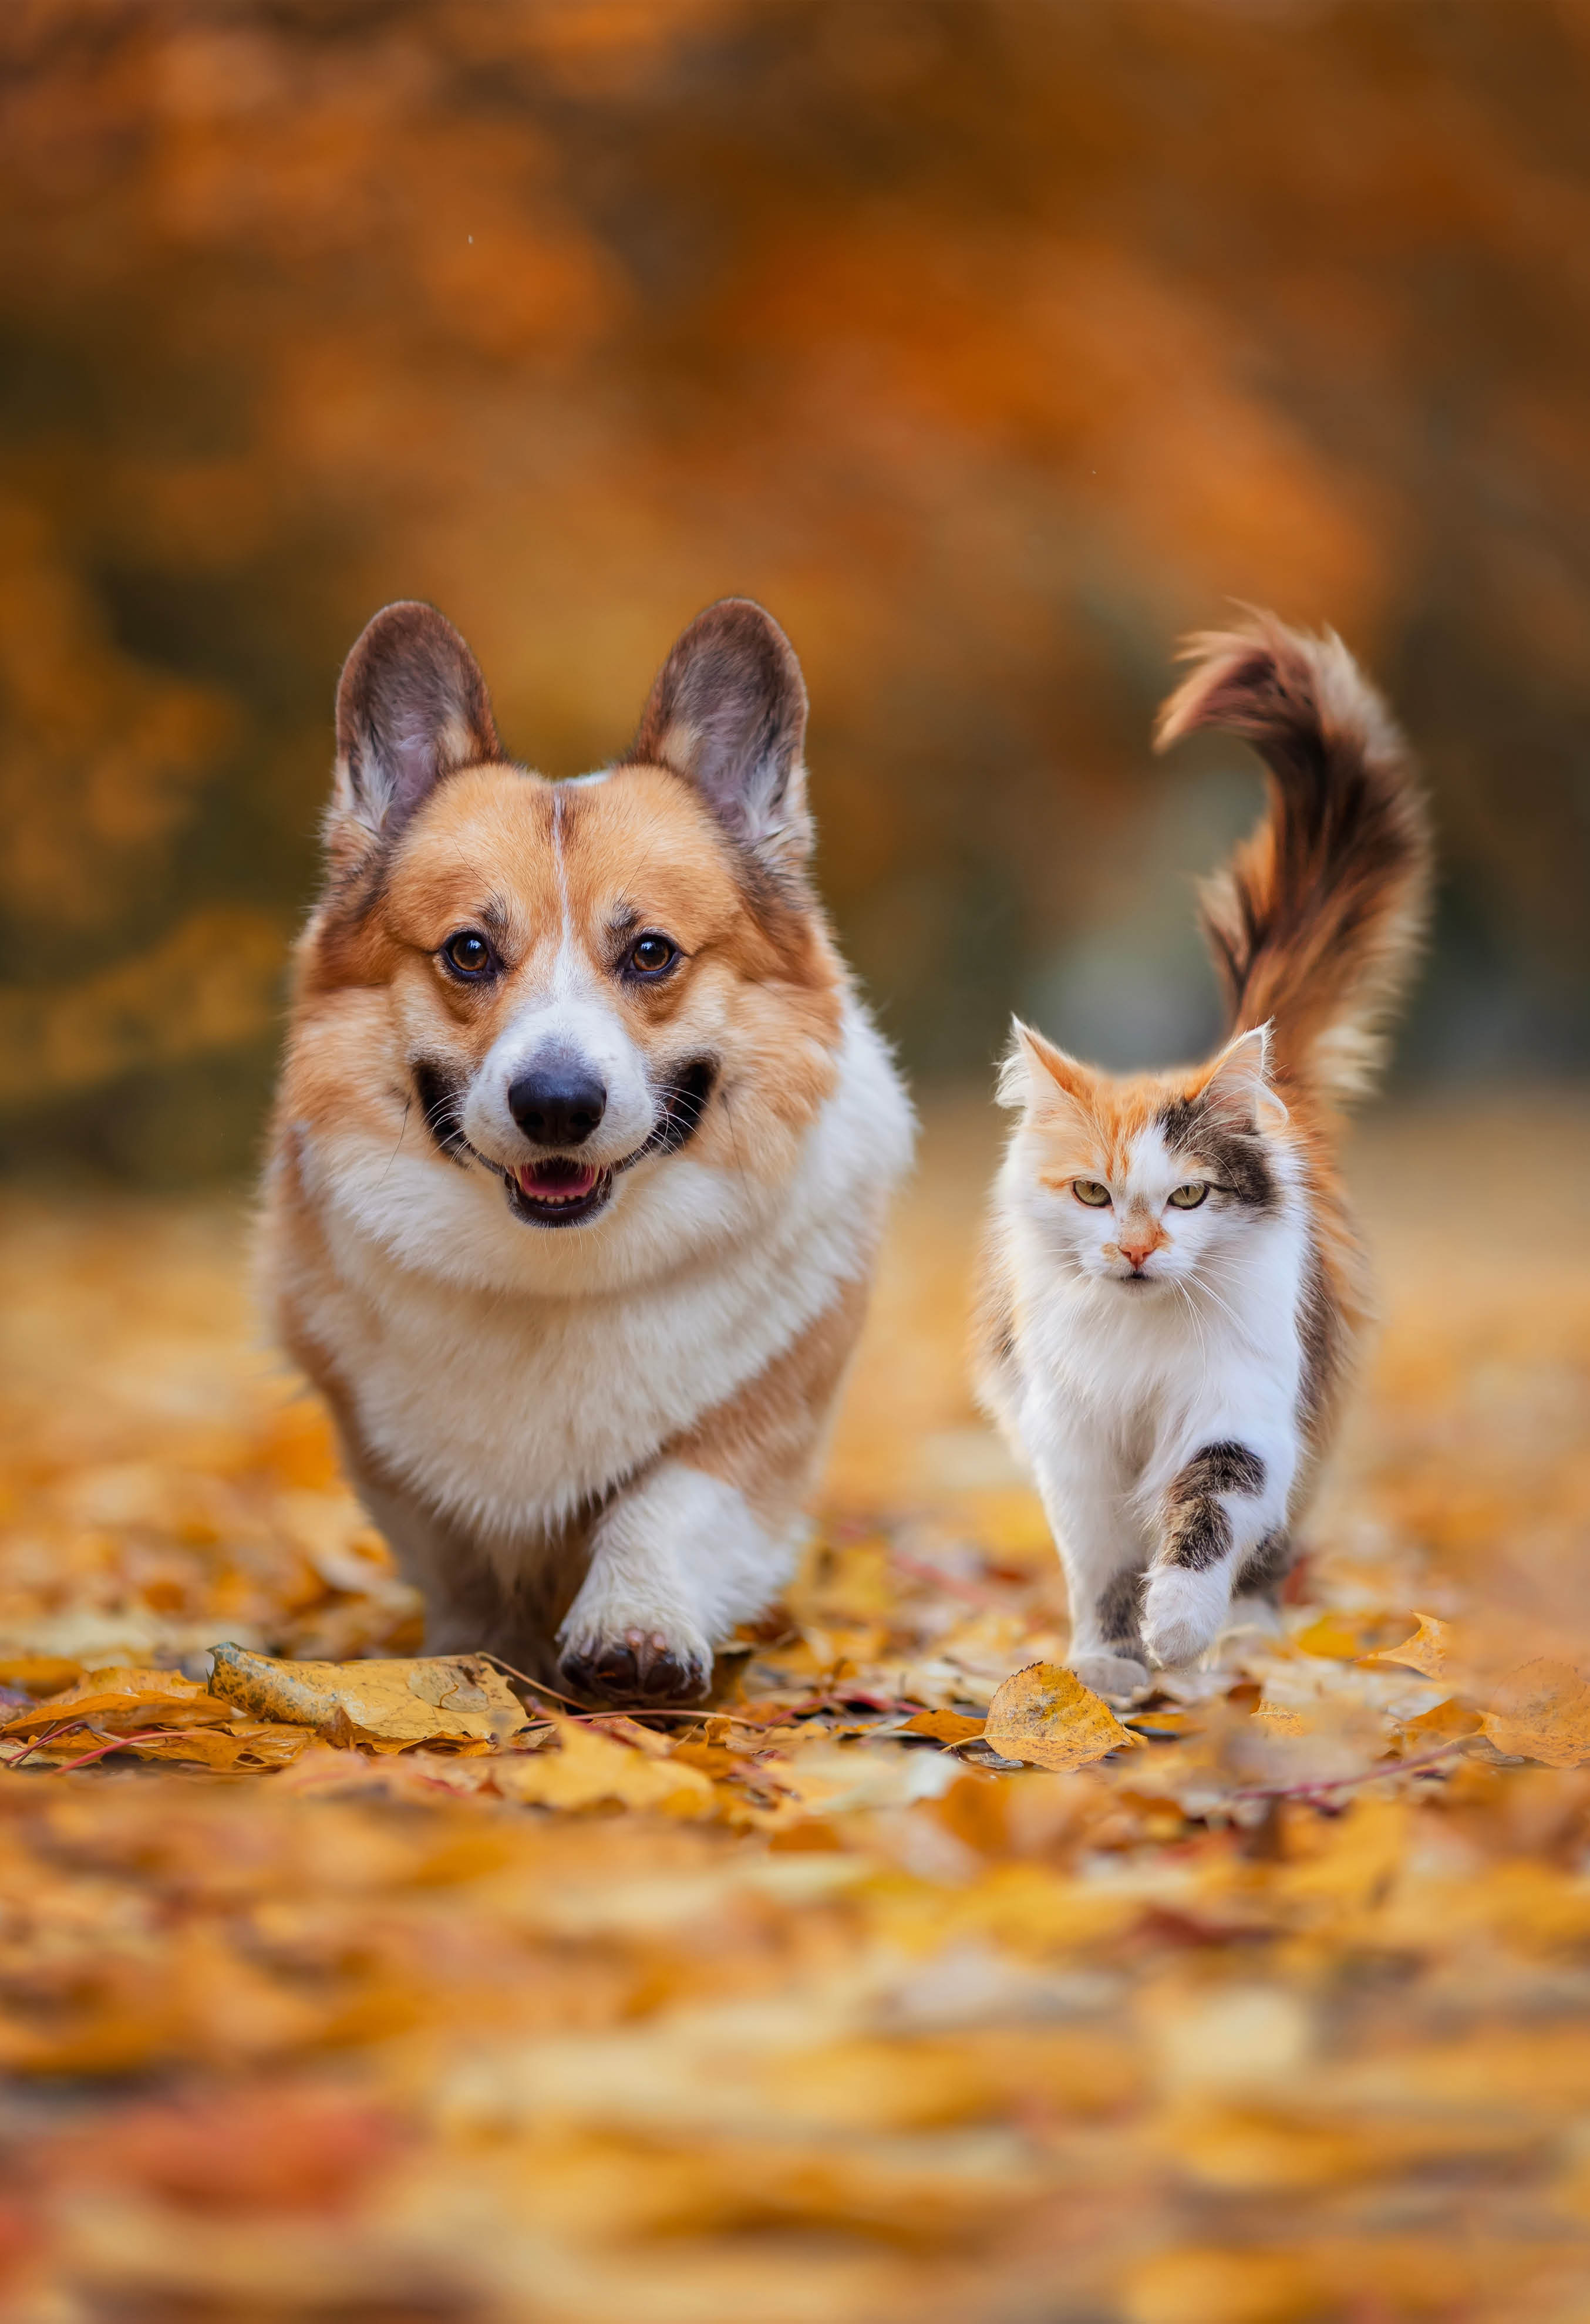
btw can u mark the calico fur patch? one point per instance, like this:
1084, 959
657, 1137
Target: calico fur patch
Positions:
1172, 1289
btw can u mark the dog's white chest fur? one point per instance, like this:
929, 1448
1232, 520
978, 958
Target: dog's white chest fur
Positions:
506, 1394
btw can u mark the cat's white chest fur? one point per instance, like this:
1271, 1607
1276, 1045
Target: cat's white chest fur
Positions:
1119, 1393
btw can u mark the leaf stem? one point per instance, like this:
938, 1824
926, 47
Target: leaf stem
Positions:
1347, 1783
117, 1743
47, 1734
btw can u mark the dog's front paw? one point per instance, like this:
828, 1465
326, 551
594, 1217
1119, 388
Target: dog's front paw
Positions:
1117, 1677
1182, 1614
637, 1668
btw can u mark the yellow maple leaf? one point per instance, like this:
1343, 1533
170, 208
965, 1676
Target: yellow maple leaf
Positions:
1046, 1716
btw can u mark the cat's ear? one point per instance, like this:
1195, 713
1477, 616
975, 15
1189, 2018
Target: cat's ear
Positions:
1236, 1092
727, 711
1035, 1074
411, 707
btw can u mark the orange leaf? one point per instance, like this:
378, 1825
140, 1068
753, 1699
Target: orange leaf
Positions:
944, 1726
245, 1746
39, 1673
1425, 1651
136, 1695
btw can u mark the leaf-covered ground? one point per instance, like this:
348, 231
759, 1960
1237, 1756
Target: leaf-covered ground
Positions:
381, 1994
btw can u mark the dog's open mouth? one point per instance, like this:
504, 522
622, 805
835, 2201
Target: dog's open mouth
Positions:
558, 1191
561, 1191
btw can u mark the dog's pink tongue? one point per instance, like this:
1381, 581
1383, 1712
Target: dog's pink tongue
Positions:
569, 1180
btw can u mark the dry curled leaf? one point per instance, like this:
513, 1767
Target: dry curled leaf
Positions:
1425, 1651
456, 1698
245, 1746
123, 1699
1047, 1717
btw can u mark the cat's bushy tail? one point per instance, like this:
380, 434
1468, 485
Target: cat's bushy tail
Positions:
1316, 922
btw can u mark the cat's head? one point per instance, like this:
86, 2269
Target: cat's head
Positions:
1151, 1179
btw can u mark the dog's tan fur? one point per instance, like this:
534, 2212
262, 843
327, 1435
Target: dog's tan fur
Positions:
560, 1493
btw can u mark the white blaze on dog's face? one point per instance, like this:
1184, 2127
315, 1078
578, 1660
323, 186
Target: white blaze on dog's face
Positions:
569, 983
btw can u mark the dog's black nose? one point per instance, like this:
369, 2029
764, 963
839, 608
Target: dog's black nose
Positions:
558, 1105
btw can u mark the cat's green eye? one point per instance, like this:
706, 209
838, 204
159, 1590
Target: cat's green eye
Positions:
1089, 1191
1189, 1197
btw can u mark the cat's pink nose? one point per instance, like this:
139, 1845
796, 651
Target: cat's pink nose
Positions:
1134, 1253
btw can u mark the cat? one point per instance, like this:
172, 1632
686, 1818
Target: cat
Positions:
1173, 1291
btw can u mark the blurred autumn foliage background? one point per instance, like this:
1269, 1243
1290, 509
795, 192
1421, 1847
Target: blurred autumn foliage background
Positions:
991, 345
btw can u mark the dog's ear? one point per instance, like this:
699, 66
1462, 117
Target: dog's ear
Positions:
411, 707
728, 712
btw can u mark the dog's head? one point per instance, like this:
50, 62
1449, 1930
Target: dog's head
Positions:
569, 983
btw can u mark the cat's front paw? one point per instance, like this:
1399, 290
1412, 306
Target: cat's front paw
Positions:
1182, 1614
639, 1666
1116, 1677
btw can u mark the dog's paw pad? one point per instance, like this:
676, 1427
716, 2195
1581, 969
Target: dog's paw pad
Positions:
639, 1668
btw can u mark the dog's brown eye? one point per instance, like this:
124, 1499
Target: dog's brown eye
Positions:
1089, 1191
651, 954
469, 952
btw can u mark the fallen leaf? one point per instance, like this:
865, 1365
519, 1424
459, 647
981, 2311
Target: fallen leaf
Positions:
712, 1760
134, 1697
944, 1726
247, 1744
1425, 1651
1046, 1716
1334, 1636
1264, 2149
1444, 1722
384, 1705
1541, 1710
1222, 2287
305, 2150
588, 1769
38, 1673
1161, 1722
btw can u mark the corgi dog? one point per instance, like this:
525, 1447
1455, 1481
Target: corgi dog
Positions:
1172, 1290
581, 1155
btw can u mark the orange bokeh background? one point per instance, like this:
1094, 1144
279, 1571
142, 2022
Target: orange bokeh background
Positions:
992, 344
